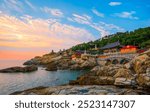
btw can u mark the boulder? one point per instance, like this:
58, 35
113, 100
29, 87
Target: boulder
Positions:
140, 63
51, 66
124, 77
109, 70
124, 73
141, 66
19, 69
80, 64
90, 63
75, 67
31, 62
98, 76
96, 68
102, 62
144, 79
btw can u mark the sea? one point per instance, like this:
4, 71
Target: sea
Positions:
12, 82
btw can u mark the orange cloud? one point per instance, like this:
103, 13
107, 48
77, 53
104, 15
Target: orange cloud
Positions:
28, 32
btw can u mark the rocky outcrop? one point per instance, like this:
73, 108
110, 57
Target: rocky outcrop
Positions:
80, 64
51, 67
140, 65
133, 74
62, 60
98, 76
132, 78
144, 79
124, 77
19, 69
43, 60
81, 90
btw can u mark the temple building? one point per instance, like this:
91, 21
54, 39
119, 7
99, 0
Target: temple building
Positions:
129, 49
111, 48
94, 50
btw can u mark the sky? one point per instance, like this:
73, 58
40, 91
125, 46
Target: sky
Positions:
34, 27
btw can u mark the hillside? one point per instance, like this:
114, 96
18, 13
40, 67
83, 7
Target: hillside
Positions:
139, 37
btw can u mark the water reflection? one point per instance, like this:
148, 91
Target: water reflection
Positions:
19, 81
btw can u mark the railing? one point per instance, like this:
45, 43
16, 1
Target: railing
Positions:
118, 55
113, 55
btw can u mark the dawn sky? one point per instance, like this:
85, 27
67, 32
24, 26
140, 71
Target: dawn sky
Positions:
34, 27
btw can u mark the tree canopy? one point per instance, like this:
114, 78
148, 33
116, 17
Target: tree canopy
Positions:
139, 37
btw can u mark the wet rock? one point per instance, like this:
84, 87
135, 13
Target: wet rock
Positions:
19, 69
98, 76
82, 90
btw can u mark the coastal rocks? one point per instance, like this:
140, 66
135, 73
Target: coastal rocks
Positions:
51, 67
109, 70
98, 76
144, 79
43, 60
62, 60
140, 65
102, 62
125, 78
133, 74
19, 69
64, 64
81, 64
75, 67
81, 90
34, 61
91, 62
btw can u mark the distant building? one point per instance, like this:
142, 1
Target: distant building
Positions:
129, 49
77, 54
112, 47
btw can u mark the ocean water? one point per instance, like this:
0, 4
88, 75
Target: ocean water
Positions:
12, 82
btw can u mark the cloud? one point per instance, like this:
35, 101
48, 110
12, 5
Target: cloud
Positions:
103, 28
82, 19
128, 15
11, 5
30, 5
97, 13
54, 12
28, 32
115, 3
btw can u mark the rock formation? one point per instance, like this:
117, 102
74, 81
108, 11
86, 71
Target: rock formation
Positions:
136, 73
19, 69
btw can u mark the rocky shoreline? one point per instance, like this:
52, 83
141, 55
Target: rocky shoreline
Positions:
130, 78
62, 61
30, 68
135, 74
82, 90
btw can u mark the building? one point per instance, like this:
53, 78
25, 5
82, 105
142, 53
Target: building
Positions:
112, 47
94, 50
129, 49
77, 54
